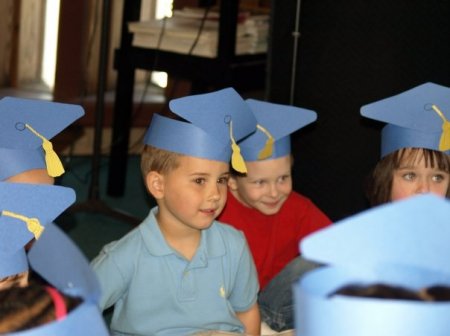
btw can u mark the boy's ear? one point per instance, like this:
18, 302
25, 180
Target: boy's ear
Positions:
155, 184
232, 183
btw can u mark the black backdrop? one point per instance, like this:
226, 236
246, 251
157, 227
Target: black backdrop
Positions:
351, 52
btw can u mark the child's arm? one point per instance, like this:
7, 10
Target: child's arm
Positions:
109, 276
251, 320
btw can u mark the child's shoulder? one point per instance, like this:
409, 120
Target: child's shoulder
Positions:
228, 232
296, 196
124, 245
299, 200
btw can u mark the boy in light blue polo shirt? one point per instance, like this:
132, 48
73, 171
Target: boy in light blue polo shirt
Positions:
181, 272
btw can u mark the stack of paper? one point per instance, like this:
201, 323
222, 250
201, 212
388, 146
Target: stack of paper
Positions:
180, 33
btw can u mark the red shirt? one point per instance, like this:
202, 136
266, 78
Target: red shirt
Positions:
274, 239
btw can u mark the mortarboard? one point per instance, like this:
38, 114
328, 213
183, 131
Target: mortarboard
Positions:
59, 261
419, 117
404, 243
54, 256
275, 124
215, 122
25, 210
26, 127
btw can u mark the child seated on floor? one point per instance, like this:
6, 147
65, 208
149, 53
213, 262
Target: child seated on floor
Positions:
64, 300
415, 144
27, 125
180, 271
273, 217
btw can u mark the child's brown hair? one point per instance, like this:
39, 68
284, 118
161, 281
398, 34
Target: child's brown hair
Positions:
379, 182
22, 308
15, 280
385, 291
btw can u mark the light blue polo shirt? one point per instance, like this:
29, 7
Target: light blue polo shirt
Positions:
156, 291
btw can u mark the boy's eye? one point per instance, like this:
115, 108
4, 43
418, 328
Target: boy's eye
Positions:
199, 180
283, 178
222, 180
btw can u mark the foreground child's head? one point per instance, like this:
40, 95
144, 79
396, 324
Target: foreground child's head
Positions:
34, 305
25, 210
68, 300
386, 272
267, 153
415, 144
27, 125
185, 163
388, 291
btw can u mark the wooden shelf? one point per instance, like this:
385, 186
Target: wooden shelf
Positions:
243, 72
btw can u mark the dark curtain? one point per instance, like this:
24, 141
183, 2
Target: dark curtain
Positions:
350, 53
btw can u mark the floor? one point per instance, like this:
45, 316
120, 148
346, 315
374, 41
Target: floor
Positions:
97, 218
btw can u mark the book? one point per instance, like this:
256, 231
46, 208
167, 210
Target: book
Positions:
180, 32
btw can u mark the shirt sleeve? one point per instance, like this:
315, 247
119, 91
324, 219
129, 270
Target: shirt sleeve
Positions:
111, 279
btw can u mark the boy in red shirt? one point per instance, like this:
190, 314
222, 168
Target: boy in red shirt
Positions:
273, 217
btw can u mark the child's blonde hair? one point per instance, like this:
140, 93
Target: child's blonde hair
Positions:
159, 160
379, 183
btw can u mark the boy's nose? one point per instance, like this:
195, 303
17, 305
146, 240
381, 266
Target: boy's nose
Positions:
214, 193
273, 191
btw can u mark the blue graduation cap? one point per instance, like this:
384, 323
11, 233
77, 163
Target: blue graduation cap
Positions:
215, 122
25, 210
417, 118
275, 124
404, 243
26, 127
59, 261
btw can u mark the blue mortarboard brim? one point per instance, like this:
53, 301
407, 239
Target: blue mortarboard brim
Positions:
404, 243
21, 149
418, 117
25, 210
185, 138
59, 261
275, 124
218, 120
12, 263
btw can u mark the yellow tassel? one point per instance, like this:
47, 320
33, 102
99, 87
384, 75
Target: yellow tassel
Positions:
267, 150
444, 143
237, 161
54, 165
33, 224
